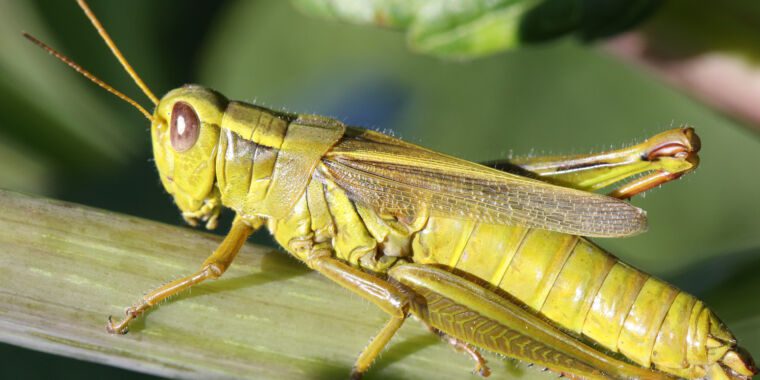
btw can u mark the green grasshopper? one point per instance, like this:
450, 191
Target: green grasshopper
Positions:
487, 256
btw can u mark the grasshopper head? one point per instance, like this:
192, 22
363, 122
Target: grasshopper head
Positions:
185, 133
184, 130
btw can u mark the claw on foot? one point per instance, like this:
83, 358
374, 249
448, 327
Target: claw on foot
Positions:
481, 368
120, 328
123, 326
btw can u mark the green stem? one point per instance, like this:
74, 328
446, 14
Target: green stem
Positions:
64, 268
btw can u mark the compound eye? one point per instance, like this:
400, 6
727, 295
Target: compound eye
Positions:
185, 127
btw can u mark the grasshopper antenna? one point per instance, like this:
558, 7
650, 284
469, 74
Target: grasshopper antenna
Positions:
116, 52
88, 75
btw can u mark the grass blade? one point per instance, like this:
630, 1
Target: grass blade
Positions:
64, 268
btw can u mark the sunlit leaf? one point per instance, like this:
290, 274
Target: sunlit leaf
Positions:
473, 28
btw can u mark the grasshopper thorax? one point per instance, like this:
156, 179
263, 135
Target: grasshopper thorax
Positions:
185, 132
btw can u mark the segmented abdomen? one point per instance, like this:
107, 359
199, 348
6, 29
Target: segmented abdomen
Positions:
582, 288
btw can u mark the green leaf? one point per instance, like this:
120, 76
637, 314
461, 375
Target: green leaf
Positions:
387, 13
468, 29
604, 18
588, 19
551, 19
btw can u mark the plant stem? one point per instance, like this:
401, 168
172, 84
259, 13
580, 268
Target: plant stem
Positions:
64, 268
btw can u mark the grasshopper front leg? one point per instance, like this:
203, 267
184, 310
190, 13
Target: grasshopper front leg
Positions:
214, 266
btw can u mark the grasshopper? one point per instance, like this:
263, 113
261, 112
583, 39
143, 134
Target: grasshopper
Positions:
488, 256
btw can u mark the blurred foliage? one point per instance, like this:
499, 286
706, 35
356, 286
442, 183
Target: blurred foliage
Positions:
690, 27
63, 137
467, 29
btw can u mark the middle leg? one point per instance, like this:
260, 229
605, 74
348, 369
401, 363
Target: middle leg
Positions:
385, 295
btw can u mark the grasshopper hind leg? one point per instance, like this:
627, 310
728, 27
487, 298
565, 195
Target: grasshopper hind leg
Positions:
395, 300
473, 314
660, 159
481, 367
385, 295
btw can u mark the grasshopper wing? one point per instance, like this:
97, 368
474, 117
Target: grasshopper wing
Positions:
402, 179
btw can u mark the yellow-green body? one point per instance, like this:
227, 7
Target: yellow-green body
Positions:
567, 278
267, 166
577, 285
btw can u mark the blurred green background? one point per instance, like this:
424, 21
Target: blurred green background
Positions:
62, 137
